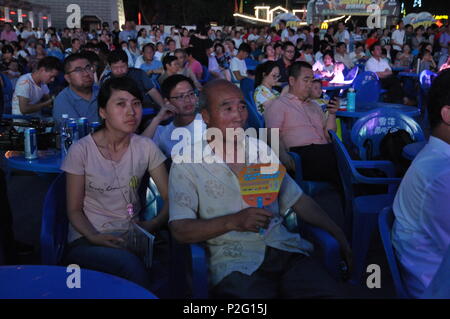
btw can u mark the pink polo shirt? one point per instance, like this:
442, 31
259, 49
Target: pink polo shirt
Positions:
300, 123
8, 36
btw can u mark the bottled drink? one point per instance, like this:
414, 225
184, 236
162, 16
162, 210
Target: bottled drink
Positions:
83, 127
30, 144
94, 126
351, 100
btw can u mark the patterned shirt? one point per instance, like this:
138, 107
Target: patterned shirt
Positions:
262, 95
206, 191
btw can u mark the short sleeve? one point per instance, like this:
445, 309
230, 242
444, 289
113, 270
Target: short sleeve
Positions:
234, 66
183, 197
75, 161
289, 194
23, 88
156, 157
146, 81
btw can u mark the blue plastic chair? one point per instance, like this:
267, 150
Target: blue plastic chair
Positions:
361, 212
352, 74
255, 119
328, 245
248, 87
54, 226
385, 222
251, 64
311, 188
8, 92
367, 87
374, 126
206, 76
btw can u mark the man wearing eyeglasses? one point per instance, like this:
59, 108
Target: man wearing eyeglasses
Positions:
181, 102
286, 60
79, 99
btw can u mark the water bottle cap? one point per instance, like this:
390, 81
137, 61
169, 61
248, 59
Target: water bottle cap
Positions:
65, 116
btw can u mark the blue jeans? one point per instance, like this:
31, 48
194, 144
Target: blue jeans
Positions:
117, 262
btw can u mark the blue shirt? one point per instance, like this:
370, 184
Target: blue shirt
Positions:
153, 65
127, 35
70, 103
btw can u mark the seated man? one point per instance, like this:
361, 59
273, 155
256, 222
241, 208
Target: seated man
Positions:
118, 63
238, 67
206, 205
32, 94
341, 55
421, 232
181, 104
79, 99
382, 68
304, 127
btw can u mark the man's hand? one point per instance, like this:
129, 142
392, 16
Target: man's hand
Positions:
166, 112
333, 105
106, 240
346, 252
251, 220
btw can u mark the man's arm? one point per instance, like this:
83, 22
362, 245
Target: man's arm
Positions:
27, 108
238, 76
198, 230
308, 210
156, 96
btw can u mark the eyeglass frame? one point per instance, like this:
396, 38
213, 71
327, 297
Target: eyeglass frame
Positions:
189, 94
88, 68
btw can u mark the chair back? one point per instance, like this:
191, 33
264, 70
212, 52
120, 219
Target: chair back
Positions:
206, 76
248, 87
385, 222
352, 74
255, 119
8, 92
367, 87
54, 227
374, 126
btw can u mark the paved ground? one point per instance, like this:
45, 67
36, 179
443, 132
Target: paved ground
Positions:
27, 191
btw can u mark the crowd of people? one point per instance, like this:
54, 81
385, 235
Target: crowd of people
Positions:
111, 74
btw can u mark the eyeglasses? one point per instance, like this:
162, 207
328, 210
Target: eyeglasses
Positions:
289, 51
189, 95
88, 69
276, 76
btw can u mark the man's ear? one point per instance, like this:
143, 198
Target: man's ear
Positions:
291, 81
445, 114
205, 116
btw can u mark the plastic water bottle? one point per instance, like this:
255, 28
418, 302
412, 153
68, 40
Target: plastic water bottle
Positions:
351, 100
63, 135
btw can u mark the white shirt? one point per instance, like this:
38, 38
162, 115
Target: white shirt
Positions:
374, 65
27, 88
421, 232
398, 36
163, 134
237, 42
252, 37
238, 65
284, 35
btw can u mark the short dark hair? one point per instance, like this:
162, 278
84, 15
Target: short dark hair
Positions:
244, 47
296, 68
74, 40
372, 47
438, 97
339, 44
167, 60
117, 56
149, 45
50, 63
287, 44
72, 58
117, 84
7, 49
172, 81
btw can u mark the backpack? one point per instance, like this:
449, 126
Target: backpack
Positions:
391, 148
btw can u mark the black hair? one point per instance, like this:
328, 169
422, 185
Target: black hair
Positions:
244, 47
151, 45
167, 60
189, 51
330, 53
74, 40
372, 47
287, 44
74, 57
7, 49
172, 81
50, 63
117, 84
339, 44
117, 56
263, 70
91, 56
295, 69
438, 97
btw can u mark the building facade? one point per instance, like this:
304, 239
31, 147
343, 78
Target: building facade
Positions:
90, 11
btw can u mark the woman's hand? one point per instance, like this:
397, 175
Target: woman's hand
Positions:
106, 240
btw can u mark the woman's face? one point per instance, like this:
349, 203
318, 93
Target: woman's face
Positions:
185, 33
218, 50
123, 112
273, 77
429, 48
270, 51
327, 60
144, 33
406, 49
173, 67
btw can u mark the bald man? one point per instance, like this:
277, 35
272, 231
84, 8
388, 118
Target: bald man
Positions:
206, 206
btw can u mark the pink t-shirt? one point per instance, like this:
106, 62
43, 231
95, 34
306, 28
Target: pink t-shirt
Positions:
105, 199
300, 123
196, 68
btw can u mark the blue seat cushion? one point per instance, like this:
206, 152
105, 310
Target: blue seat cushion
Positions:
371, 204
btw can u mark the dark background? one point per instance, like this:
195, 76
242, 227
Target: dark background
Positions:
221, 11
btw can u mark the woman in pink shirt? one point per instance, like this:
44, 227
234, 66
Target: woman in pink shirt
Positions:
185, 39
193, 64
103, 172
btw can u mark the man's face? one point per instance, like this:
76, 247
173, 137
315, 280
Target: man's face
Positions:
181, 58
48, 76
377, 51
172, 46
184, 98
149, 53
341, 49
173, 67
301, 86
119, 69
289, 53
79, 74
227, 108
76, 45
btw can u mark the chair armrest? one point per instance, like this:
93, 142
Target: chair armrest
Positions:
329, 246
199, 272
386, 166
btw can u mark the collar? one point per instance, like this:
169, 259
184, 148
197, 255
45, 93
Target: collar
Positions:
76, 97
291, 96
